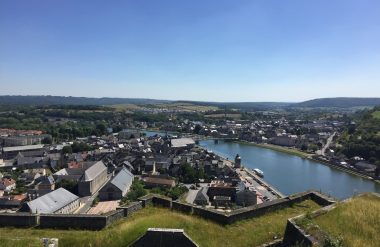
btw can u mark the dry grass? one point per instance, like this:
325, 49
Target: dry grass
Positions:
356, 221
252, 232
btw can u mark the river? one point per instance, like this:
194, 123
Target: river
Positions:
291, 174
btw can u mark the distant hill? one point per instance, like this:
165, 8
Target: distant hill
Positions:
341, 102
242, 105
61, 100
15, 100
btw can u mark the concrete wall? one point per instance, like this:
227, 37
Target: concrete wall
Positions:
18, 220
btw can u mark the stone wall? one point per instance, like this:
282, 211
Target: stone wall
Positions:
18, 220
114, 216
133, 207
73, 221
96, 222
182, 207
146, 200
211, 215
162, 201
295, 236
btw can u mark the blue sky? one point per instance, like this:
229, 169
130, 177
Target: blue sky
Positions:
214, 50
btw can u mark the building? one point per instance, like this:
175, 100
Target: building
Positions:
155, 237
365, 166
7, 184
129, 134
118, 187
185, 143
23, 140
287, 141
93, 178
152, 182
59, 201
45, 183
11, 152
237, 161
221, 190
202, 198
246, 198
13, 202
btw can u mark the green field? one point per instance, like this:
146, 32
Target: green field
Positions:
222, 115
376, 114
126, 107
188, 107
252, 232
356, 222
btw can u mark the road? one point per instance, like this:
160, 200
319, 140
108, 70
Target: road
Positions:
251, 180
327, 145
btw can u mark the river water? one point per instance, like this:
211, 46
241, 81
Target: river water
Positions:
291, 174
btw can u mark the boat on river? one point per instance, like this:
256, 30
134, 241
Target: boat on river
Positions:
258, 172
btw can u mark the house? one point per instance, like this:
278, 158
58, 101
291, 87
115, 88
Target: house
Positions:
93, 178
7, 184
182, 143
70, 174
246, 197
118, 187
11, 152
46, 183
12, 202
59, 201
221, 201
162, 182
202, 198
287, 141
220, 190
364, 166
29, 177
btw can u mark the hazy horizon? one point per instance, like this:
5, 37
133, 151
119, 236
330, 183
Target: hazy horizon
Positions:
219, 51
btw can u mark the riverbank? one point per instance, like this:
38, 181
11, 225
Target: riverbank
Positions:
304, 155
291, 151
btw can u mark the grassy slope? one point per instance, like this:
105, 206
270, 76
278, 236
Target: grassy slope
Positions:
357, 221
250, 232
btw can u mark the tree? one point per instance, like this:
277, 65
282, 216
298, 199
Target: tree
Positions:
313, 147
137, 190
47, 140
101, 129
69, 185
67, 150
197, 129
176, 192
